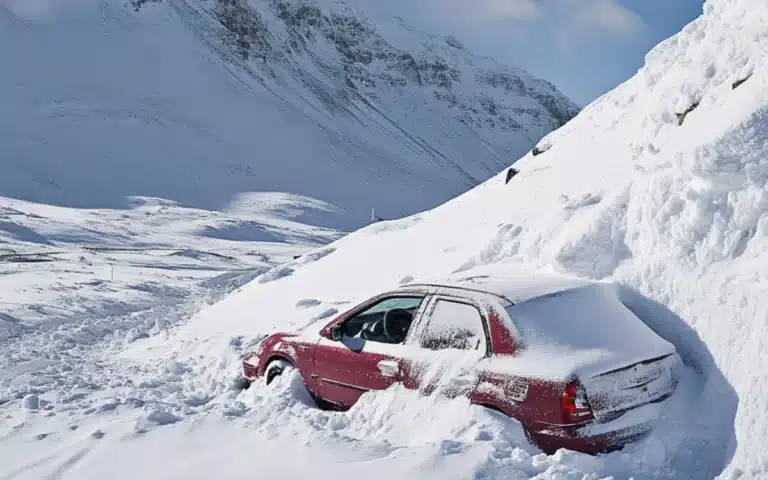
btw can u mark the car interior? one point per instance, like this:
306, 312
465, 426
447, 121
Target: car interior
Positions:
388, 321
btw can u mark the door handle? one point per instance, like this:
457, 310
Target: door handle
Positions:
388, 368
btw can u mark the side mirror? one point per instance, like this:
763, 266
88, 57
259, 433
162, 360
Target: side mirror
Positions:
335, 332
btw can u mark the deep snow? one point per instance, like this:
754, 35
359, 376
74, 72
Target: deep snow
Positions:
674, 212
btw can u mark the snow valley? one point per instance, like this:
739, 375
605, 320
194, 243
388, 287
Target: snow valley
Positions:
141, 291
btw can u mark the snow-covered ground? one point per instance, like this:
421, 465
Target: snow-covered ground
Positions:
60, 264
79, 286
673, 207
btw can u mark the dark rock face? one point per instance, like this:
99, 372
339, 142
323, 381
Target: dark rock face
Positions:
359, 63
243, 29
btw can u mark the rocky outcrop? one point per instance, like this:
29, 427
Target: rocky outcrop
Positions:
345, 61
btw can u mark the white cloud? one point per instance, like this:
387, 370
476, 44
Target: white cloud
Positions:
606, 15
453, 13
503, 10
573, 19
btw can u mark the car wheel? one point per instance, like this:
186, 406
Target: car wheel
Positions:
275, 368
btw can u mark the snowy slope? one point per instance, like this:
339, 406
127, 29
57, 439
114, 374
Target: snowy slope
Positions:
671, 206
674, 211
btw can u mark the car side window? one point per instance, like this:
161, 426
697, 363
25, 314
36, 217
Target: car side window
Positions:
454, 325
369, 323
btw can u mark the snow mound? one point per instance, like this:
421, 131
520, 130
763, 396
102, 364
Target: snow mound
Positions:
441, 436
659, 186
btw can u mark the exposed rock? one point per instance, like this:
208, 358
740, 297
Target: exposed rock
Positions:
681, 116
358, 64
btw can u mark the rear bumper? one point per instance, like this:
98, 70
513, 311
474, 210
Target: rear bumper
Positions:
594, 437
555, 438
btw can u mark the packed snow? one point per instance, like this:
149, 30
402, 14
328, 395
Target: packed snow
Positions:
659, 186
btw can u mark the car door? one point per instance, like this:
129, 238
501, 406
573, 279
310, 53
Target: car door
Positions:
343, 370
450, 339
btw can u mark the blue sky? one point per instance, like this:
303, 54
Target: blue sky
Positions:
585, 47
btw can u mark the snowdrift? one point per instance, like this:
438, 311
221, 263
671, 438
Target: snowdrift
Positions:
659, 185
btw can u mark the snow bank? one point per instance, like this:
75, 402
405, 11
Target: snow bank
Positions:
671, 205
279, 434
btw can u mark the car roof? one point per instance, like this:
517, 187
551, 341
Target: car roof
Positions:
515, 287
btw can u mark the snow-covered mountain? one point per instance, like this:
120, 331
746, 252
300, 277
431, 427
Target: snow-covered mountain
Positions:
198, 101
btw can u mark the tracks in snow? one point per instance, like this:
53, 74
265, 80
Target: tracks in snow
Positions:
75, 369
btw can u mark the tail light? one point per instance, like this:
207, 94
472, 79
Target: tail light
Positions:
575, 406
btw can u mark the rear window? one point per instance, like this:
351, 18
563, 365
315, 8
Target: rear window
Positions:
454, 325
589, 318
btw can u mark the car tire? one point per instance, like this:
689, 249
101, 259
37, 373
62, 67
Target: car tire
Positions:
275, 368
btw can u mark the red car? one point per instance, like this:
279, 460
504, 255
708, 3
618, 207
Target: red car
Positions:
564, 357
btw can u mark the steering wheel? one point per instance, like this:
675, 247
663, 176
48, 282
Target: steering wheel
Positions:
373, 330
396, 324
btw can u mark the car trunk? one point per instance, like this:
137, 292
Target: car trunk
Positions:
612, 393
588, 334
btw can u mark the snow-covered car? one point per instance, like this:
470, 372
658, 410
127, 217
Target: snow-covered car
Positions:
564, 357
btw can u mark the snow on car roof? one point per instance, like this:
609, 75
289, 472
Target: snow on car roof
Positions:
516, 287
